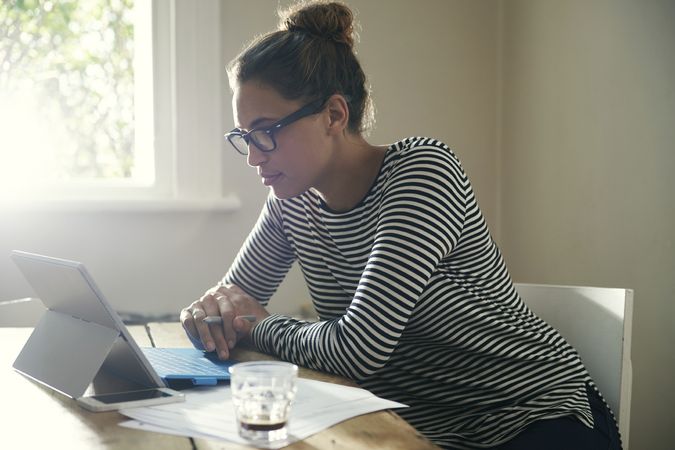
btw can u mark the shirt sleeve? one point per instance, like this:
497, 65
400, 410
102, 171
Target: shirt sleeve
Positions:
265, 257
421, 218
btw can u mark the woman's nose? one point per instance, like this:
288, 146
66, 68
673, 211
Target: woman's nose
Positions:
255, 157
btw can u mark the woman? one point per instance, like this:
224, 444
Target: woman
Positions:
414, 300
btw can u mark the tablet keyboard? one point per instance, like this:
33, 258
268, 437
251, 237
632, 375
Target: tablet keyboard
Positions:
186, 363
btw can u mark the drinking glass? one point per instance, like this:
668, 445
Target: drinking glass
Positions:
262, 393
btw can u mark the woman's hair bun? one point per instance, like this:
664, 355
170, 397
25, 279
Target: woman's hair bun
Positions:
328, 20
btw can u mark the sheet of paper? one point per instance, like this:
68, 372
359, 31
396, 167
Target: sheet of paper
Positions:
208, 412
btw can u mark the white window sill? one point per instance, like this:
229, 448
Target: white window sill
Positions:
228, 203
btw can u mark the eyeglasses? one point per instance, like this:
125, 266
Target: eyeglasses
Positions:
263, 138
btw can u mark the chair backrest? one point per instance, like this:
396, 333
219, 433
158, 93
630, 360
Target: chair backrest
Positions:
597, 322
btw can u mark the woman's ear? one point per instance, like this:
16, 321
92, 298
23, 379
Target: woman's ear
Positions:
338, 114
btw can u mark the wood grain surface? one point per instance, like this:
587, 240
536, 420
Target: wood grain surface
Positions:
36, 417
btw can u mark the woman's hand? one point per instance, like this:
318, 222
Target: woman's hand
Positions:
228, 302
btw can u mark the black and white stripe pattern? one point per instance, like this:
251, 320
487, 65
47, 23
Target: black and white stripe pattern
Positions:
415, 303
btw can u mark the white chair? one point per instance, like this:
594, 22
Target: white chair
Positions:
597, 323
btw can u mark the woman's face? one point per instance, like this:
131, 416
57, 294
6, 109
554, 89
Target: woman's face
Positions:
303, 149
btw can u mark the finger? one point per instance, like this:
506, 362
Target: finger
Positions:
198, 316
212, 336
227, 312
219, 331
190, 329
243, 327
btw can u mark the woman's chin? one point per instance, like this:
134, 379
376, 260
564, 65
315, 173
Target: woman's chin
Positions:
284, 194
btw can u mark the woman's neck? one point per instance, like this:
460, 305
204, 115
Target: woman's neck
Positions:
352, 173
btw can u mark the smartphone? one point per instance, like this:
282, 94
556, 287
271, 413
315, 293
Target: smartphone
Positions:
130, 399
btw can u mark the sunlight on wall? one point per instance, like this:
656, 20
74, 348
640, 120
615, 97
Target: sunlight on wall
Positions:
30, 134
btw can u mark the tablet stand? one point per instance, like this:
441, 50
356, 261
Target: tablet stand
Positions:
66, 354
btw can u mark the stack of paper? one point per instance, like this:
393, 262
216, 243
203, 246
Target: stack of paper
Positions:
208, 412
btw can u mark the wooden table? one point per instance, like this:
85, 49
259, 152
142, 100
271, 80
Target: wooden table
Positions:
34, 416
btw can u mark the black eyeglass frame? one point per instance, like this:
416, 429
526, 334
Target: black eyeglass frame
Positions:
309, 109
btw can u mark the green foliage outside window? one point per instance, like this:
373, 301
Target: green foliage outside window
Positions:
75, 60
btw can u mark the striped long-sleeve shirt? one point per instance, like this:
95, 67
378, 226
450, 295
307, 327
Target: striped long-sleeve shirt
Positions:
414, 302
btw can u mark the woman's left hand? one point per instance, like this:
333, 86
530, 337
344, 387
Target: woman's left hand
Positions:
232, 298
230, 302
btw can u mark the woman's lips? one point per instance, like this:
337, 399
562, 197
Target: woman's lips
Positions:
269, 179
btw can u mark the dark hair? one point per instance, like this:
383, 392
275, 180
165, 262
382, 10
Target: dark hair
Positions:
310, 57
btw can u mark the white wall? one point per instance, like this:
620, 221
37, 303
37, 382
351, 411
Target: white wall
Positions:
588, 160
432, 69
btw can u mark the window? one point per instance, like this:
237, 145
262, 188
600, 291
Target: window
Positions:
110, 99
72, 94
